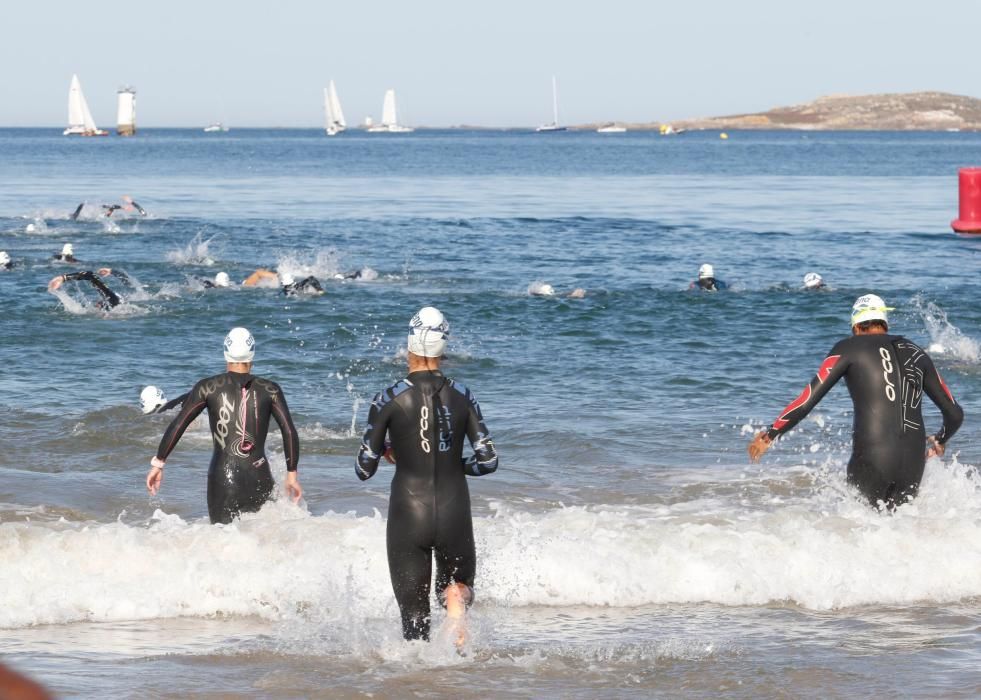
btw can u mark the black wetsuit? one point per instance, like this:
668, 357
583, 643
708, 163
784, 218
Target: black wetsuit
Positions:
239, 406
887, 376
110, 299
78, 210
179, 401
709, 284
65, 258
427, 417
308, 285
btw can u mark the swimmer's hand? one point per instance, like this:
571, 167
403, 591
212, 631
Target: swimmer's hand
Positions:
760, 444
105, 271
293, 489
56, 283
935, 449
154, 477
389, 454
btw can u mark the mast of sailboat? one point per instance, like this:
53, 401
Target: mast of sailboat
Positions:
555, 103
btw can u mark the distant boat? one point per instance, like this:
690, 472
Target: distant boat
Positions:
554, 126
611, 129
389, 123
80, 121
215, 127
332, 106
126, 111
668, 130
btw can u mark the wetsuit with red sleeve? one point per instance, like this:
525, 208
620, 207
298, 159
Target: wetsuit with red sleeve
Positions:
886, 376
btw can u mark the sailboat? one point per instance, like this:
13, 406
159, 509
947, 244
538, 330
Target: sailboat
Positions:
335, 117
554, 126
389, 123
80, 121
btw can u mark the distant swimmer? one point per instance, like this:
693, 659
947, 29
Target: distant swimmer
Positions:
239, 407
67, 254
707, 280
427, 416
813, 280
220, 280
887, 376
152, 400
110, 299
287, 282
128, 205
5, 262
577, 293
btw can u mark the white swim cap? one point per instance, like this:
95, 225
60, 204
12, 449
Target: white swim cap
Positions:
67, 249
239, 345
706, 271
221, 279
541, 289
870, 308
286, 279
4, 258
428, 333
151, 398
812, 280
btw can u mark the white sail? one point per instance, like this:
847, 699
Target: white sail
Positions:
80, 119
335, 107
388, 109
126, 111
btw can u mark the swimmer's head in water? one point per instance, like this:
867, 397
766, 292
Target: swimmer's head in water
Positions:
151, 398
222, 280
67, 250
239, 345
813, 280
706, 271
4, 258
870, 308
428, 333
286, 279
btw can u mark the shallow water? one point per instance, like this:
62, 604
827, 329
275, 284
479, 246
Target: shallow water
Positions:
626, 547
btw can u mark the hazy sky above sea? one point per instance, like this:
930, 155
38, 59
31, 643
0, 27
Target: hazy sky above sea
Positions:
251, 63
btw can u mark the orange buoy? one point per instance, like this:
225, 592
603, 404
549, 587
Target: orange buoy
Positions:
969, 214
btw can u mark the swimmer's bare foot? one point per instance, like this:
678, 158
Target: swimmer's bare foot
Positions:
457, 596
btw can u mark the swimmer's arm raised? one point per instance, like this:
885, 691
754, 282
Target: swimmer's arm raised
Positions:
484, 459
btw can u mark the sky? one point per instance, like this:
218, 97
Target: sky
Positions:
250, 63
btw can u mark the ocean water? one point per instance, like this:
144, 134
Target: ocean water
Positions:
626, 547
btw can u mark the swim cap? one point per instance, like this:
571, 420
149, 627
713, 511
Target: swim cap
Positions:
67, 249
151, 398
812, 280
706, 271
541, 289
286, 279
428, 332
870, 308
239, 345
4, 258
221, 279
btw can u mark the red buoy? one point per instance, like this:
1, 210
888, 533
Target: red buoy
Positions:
969, 185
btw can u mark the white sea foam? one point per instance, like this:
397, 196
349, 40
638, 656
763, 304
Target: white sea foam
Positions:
946, 339
196, 252
324, 265
822, 552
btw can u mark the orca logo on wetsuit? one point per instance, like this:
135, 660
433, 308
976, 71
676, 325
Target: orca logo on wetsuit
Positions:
886, 371
224, 415
423, 427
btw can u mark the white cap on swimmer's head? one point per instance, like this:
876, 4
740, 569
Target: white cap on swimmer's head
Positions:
67, 249
221, 279
239, 345
428, 333
706, 271
151, 398
812, 280
870, 308
4, 258
286, 279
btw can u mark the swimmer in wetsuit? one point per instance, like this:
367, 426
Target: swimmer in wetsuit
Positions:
67, 254
110, 299
152, 400
427, 416
5, 262
706, 280
887, 376
239, 407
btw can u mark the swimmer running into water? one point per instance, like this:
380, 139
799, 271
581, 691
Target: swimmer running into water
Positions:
239, 407
887, 376
427, 416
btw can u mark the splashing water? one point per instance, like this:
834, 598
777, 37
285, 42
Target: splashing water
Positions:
324, 266
196, 252
946, 339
